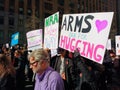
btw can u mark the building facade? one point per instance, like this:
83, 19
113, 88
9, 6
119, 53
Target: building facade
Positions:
118, 17
25, 15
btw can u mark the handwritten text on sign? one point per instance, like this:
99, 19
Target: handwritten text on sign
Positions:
51, 31
87, 32
34, 39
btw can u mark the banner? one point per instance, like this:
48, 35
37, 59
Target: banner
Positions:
51, 31
117, 43
34, 39
14, 39
87, 32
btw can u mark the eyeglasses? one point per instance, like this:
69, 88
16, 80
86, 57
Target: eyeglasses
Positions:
32, 63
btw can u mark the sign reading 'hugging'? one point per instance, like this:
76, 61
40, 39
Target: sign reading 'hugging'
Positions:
87, 32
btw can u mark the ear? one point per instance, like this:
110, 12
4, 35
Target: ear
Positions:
42, 63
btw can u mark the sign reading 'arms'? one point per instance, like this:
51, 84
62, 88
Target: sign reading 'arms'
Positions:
87, 32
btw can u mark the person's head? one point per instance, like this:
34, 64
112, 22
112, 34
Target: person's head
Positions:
17, 53
39, 60
63, 52
112, 54
70, 55
76, 52
6, 66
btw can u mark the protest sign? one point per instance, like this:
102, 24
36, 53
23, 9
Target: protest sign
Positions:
51, 32
34, 39
109, 46
87, 32
14, 39
117, 43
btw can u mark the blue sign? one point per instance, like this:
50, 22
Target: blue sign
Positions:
14, 39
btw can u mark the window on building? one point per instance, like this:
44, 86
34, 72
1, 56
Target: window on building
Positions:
61, 2
82, 8
29, 6
86, 9
37, 8
1, 1
20, 21
1, 35
29, 12
49, 0
21, 7
21, 11
21, 36
36, 13
48, 6
37, 4
71, 11
71, 4
29, 3
1, 5
11, 9
21, 0
1, 8
11, 20
12, 6
37, 25
10, 33
78, 6
1, 20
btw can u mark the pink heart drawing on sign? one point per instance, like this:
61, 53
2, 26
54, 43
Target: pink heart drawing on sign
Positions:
101, 25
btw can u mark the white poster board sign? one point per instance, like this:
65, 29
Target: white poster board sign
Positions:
117, 44
51, 31
7, 45
53, 52
109, 46
87, 32
34, 39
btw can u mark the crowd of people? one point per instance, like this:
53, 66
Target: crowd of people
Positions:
64, 71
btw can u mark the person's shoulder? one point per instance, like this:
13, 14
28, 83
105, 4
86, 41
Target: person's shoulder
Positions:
56, 56
8, 78
55, 81
55, 75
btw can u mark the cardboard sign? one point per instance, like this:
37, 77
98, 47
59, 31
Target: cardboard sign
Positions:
109, 46
14, 39
51, 31
87, 32
34, 39
117, 43
7, 45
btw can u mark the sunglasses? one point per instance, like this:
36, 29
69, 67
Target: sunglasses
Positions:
32, 63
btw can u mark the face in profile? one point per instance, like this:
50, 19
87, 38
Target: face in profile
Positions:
36, 66
17, 54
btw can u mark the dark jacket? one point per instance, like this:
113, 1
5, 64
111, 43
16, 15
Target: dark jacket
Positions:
7, 83
20, 73
80, 67
68, 70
